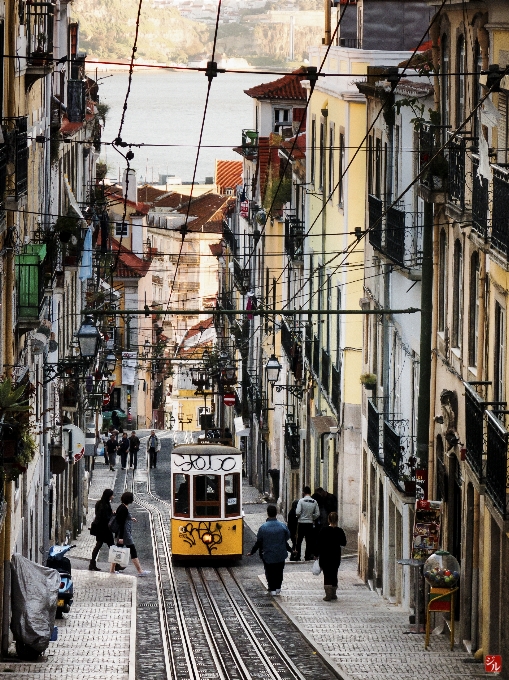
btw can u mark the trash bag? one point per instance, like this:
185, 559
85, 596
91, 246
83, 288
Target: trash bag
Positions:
34, 593
316, 568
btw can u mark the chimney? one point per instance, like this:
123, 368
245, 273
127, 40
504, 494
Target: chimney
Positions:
132, 185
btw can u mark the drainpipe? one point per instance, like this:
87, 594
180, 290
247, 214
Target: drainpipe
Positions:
474, 635
327, 29
433, 389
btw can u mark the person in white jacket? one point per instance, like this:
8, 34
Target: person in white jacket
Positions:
307, 513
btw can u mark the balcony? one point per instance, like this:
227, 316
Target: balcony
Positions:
392, 454
17, 153
316, 357
76, 101
294, 239
480, 202
293, 350
456, 176
30, 284
434, 177
336, 389
39, 29
395, 235
326, 369
242, 276
500, 216
375, 220
250, 143
292, 445
497, 481
4, 156
309, 343
474, 432
229, 238
373, 436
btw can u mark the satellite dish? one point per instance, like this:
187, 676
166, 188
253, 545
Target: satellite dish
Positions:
37, 346
52, 346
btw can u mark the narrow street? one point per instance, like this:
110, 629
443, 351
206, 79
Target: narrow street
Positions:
185, 621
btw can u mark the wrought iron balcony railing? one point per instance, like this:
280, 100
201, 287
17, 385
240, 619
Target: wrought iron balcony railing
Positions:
308, 342
474, 432
456, 153
373, 435
497, 474
395, 235
480, 201
392, 454
434, 176
326, 371
500, 214
375, 221
17, 151
316, 357
292, 445
242, 276
39, 31
229, 238
294, 239
335, 392
292, 347
400, 238
250, 143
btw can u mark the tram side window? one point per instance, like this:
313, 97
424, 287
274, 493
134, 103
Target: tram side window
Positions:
181, 495
207, 499
232, 494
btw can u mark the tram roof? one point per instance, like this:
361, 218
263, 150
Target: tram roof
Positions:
206, 449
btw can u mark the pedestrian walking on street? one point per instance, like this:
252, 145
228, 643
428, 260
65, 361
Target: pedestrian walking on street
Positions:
153, 448
111, 449
307, 513
271, 541
124, 534
328, 548
134, 447
292, 528
100, 528
123, 449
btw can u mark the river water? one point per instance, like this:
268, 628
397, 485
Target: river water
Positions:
166, 108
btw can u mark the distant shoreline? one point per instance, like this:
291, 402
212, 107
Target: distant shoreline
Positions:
113, 65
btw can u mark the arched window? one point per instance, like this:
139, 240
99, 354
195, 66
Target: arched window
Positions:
445, 80
473, 310
457, 292
461, 69
442, 282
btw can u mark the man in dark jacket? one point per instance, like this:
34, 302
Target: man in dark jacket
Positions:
272, 540
134, 447
111, 449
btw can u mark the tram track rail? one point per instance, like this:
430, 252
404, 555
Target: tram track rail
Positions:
210, 628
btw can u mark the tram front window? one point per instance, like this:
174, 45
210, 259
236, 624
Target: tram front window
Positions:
207, 501
181, 495
232, 494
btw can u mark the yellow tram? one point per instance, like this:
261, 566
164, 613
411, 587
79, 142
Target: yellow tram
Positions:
206, 492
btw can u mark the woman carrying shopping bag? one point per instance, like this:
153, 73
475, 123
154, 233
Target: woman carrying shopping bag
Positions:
100, 528
328, 548
124, 521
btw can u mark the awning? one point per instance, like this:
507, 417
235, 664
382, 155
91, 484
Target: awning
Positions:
322, 424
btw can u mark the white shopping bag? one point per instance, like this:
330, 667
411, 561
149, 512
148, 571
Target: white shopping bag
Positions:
316, 568
119, 555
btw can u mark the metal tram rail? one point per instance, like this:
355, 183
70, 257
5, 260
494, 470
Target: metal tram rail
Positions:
210, 628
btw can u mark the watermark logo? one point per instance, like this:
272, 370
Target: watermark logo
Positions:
493, 664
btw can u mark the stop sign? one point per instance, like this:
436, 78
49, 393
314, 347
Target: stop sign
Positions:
229, 399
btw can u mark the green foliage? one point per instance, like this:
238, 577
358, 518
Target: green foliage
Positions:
102, 112
11, 400
101, 170
368, 379
277, 193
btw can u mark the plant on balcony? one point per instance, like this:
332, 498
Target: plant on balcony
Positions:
67, 227
407, 470
19, 445
368, 380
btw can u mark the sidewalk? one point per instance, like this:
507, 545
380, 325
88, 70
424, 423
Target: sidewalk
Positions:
97, 639
361, 635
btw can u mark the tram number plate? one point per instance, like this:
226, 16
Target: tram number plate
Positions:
232, 501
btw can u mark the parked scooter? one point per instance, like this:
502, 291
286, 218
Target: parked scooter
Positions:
57, 560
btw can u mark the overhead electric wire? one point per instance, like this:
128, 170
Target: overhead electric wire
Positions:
211, 73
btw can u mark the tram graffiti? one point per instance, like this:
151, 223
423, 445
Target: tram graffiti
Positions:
203, 462
210, 537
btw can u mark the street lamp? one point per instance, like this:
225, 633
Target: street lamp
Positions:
89, 338
273, 369
228, 375
110, 362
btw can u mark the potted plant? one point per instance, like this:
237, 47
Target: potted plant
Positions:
368, 380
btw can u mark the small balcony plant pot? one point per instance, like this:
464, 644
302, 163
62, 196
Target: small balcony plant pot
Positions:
368, 380
410, 487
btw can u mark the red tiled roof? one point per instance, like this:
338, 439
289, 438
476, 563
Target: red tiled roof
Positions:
198, 328
114, 193
287, 87
208, 211
173, 200
299, 150
228, 174
216, 249
130, 266
150, 194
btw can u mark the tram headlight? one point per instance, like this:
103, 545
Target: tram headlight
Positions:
207, 538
